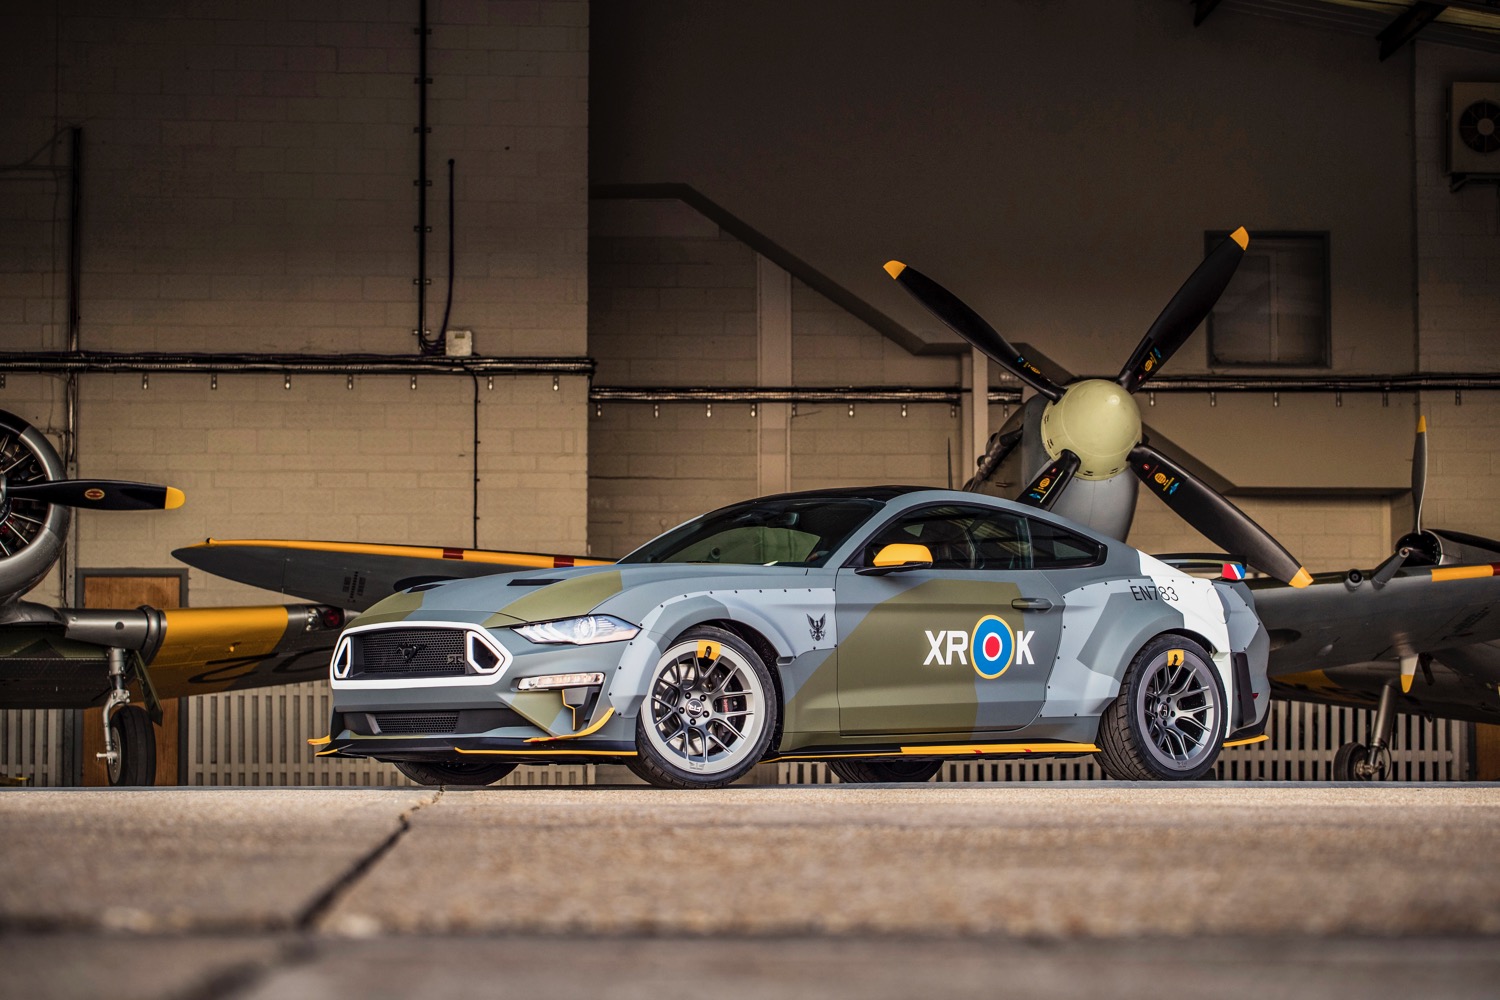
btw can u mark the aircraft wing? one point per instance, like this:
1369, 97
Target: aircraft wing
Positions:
1337, 643
354, 575
62, 660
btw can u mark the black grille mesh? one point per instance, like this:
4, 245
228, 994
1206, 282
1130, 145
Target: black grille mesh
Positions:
409, 652
416, 722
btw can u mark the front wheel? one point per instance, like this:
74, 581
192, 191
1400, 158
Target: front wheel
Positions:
1357, 762
860, 772
709, 712
135, 748
453, 772
1168, 722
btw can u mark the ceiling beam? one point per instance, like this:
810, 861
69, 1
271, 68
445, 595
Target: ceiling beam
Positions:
1406, 25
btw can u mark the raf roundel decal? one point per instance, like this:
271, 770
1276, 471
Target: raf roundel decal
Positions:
992, 647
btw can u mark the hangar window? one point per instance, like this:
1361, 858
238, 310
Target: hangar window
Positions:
1275, 311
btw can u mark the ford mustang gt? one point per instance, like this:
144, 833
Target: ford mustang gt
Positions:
883, 630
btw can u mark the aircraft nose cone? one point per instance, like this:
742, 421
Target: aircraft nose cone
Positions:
1098, 421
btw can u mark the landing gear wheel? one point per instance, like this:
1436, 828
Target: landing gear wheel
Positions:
1357, 762
453, 772
135, 761
1168, 722
709, 712
862, 772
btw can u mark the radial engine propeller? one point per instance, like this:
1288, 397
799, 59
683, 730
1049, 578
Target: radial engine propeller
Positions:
36, 501
1091, 428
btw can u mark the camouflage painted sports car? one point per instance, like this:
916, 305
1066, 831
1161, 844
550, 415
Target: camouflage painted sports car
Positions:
881, 629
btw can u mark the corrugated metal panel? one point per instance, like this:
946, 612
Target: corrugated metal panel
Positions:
260, 738
33, 747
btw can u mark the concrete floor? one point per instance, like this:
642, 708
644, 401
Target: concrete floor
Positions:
877, 891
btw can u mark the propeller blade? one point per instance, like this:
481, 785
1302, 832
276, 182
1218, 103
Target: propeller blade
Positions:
98, 494
1220, 521
1000, 447
1189, 307
969, 325
1418, 474
1048, 485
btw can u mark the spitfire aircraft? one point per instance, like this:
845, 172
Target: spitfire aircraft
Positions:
91, 658
1358, 638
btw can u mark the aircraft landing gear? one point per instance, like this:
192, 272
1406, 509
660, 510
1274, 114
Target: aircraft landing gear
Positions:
1358, 762
129, 744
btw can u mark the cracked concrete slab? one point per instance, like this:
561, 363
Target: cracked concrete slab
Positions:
132, 968
1105, 860
883, 969
185, 859
287, 967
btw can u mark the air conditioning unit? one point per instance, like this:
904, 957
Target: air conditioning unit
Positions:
1473, 132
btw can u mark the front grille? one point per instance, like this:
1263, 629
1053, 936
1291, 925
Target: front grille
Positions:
404, 723
409, 652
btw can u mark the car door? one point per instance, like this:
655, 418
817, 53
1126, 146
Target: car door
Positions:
962, 646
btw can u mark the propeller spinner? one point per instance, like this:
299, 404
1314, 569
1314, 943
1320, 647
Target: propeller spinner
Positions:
1091, 428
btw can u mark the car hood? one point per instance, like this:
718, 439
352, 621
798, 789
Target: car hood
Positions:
627, 591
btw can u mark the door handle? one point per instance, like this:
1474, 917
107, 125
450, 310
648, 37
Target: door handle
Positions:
1031, 604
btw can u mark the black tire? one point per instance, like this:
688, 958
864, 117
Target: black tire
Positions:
1142, 735
864, 772
453, 772
1349, 757
726, 698
1356, 762
136, 764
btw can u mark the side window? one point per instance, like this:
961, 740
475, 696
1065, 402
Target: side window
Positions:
960, 538
1058, 548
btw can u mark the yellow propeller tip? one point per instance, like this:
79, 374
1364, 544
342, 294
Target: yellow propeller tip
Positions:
1406, 680
175, 498
894, 268
1302, 579
1241, 237
1421, 425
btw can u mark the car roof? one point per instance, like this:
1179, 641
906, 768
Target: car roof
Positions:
880, 493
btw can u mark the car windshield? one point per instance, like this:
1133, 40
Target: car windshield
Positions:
795, 532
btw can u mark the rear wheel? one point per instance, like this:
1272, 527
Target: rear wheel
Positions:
454, 772
1168, 722
862, 772
709, 712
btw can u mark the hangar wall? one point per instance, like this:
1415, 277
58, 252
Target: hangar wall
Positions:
1458, 240
248, 186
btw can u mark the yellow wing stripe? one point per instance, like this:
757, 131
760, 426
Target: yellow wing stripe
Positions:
1463, 572
530, 559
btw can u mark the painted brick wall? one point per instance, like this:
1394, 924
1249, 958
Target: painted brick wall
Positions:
249, 172
1458, 236
673, 303
249, 186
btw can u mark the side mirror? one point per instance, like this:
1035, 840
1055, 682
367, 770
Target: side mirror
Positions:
896, 557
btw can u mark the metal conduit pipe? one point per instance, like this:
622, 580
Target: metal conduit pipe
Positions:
84, 362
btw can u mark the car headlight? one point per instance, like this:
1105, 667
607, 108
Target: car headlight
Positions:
584, 631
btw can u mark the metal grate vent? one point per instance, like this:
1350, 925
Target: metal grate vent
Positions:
409, 652
408, 723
